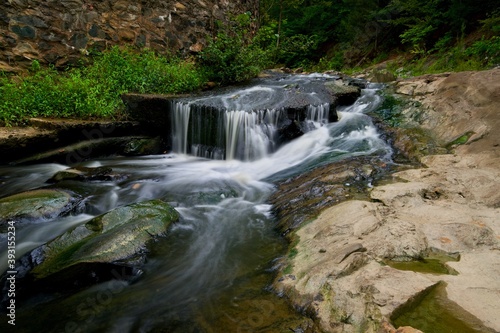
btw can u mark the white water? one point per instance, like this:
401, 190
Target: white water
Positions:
226, 229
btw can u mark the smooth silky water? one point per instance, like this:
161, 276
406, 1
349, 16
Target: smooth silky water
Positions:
212, 271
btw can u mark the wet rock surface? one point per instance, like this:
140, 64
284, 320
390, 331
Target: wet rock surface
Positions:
286, 101
36, 205
86, 174
118, 237
450, 206
300, 199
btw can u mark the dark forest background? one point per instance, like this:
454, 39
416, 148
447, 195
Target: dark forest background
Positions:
350, 33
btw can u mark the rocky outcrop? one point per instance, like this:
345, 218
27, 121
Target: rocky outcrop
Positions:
337, 266
61, 32
301, 198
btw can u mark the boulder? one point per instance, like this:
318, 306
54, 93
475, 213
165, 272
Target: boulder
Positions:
36, 205
346, 93
117, 237
84, 174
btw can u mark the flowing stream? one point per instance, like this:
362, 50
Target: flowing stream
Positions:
211, 272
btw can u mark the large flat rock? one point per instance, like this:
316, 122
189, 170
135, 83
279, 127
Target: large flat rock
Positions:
450, 206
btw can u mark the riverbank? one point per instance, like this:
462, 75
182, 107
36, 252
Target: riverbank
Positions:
338, 267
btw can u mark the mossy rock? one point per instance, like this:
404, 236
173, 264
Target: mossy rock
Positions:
36, 204
116, 236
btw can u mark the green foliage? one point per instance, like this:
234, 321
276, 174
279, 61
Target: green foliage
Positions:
486, 51
300, 28
492, 22
298, 50
416, 36
227, 60
231, 57
94, 91
145, 72
335, 62
443, 43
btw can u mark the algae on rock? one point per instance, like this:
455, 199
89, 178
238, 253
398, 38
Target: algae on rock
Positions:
36, 204
117, 236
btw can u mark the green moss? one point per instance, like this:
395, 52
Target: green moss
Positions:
288, 269
433, 312
115, 236
293, 253
463, 139
390, 110
434, 263
35, 204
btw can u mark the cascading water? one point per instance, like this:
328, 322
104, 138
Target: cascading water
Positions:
244, 124
210, 272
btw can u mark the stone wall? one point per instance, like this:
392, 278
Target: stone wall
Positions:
59, 32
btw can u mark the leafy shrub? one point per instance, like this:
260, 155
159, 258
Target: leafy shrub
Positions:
94, 91
487, 51
297, 50
232, 57
335, 62
145, 72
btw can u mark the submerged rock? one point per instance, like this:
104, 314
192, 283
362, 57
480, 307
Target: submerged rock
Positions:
117, 237
302, 197
37, 204
84, 174
143, 146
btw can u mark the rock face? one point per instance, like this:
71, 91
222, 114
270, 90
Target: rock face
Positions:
336, 269
60, 32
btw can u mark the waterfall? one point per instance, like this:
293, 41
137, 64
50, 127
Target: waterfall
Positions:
318, 113
180, 123
218, 133
251, 135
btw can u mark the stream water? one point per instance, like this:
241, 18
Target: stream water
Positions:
211, 272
